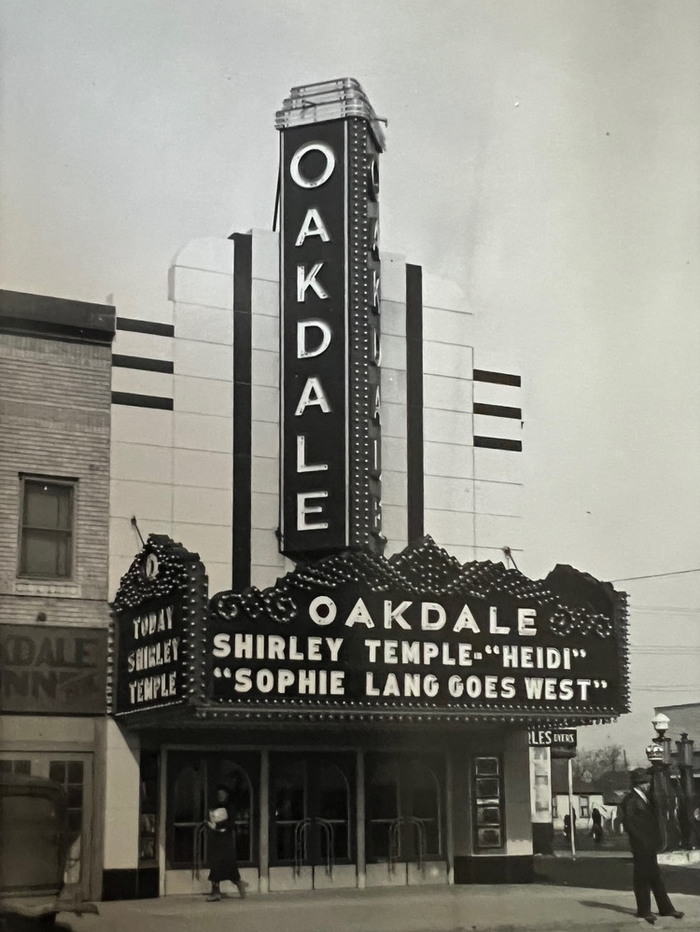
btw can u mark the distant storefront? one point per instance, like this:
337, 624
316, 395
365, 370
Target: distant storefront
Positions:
53, 684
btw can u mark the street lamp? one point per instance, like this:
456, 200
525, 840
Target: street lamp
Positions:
658, 754
659, 749
660, 723
685, 765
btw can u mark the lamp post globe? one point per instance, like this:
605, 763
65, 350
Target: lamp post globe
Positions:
661, 724
658, 754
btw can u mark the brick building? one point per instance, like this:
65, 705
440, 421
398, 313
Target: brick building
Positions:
55, 362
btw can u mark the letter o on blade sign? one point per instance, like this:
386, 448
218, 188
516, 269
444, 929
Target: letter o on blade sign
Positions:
295, 168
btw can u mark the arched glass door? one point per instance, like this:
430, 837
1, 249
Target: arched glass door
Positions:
311, 805
237, 779
333, 813
185, 810
192, 779
422, 805
288, 804
404, 807
381, 805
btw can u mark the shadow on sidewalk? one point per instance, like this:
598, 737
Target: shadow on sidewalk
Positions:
613, 907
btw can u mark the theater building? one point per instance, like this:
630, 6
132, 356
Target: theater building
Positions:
320, 616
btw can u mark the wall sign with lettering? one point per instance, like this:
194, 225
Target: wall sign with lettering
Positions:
422, 635
159, 614
561, 741
54, 669
330, 307
550, 737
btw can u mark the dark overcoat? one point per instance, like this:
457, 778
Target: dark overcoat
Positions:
222, 850
641, 824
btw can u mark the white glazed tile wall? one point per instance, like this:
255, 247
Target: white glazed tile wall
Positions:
142, 382
201, 323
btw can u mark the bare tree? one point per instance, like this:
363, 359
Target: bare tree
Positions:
590, 765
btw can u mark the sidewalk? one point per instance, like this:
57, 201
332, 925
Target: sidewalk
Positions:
507, 908
602, 872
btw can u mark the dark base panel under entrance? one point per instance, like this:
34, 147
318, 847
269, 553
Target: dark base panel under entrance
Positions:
130, 884
542, 837
494, 869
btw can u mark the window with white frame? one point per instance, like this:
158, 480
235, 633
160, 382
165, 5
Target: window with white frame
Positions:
46, 527
584, 807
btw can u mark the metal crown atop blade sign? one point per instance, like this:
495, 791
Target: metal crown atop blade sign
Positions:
329, 100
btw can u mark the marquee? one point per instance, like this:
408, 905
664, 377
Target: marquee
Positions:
158, 614
419, 635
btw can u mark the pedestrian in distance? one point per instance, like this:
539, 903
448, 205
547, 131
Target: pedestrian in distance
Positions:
642, 826
567, 825
596, 826
221, 846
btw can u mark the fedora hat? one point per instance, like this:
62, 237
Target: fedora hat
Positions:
640, 775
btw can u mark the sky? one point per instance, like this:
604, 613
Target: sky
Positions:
542, 153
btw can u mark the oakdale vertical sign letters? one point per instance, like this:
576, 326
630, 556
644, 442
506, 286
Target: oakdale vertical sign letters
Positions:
330, 339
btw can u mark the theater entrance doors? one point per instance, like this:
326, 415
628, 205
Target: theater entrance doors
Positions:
307, 819
192, 779
311, 819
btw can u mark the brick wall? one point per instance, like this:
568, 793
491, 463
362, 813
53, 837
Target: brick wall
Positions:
54, 421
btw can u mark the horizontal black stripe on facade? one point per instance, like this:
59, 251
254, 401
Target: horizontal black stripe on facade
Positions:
497, 410
142, 362
498, 443
145, 326
142, 401
499, 378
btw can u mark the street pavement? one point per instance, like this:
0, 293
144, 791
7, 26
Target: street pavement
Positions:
604, 871
469, 908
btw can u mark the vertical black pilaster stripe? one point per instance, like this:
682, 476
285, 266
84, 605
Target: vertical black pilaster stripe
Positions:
414, 400
242, 427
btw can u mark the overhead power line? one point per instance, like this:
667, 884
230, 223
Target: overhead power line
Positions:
656, 575
666, 689
663, 610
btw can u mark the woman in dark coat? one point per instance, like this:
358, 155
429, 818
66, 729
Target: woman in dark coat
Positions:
221, 845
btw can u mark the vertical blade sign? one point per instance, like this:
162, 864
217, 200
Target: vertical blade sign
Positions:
330, 418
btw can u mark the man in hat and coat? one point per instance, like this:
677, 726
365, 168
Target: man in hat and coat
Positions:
642, 826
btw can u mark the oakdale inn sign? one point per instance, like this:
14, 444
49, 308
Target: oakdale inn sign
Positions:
356, 636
